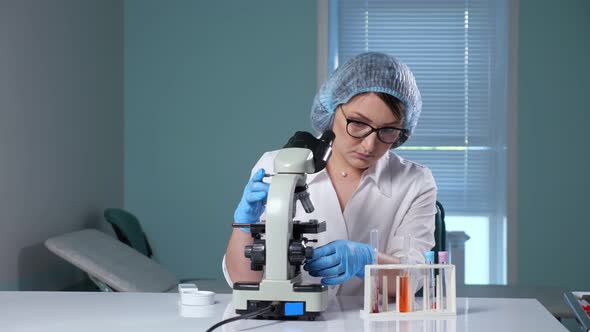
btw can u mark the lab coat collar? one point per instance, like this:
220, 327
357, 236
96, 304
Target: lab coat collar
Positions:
379, 173
316, 176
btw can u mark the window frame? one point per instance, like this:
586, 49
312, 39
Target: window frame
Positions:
503, 248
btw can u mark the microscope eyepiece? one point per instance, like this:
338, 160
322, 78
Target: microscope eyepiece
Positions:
320, 147
328, 137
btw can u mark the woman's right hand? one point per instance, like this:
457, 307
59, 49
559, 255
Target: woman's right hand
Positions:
253, 200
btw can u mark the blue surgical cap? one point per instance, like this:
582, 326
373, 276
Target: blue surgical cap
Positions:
367, 72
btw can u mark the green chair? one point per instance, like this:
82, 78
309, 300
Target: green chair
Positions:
440, 231
128, 230
440, 235
125, 264
110, 264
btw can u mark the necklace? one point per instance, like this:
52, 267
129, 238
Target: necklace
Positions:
344, 174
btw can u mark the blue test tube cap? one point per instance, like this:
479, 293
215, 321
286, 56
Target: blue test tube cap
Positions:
429, 255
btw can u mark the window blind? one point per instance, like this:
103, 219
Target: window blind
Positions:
450, 47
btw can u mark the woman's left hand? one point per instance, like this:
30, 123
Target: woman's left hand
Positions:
339, 261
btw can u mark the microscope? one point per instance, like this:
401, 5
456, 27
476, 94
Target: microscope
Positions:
279, 246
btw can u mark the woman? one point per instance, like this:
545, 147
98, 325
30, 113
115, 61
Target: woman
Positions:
372, 104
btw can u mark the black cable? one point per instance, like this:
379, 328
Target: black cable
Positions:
244, 316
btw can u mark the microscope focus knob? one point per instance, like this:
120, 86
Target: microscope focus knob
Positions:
257, 254
308, 252
298, 252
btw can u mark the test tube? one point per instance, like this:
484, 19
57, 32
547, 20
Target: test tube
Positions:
429, 282
375, 243
406, 289
443, 258
374, 239
385, 294
404, 293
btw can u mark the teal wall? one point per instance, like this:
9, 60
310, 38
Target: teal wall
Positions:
209, 86
553, 143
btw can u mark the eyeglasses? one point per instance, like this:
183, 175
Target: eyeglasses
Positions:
358, 129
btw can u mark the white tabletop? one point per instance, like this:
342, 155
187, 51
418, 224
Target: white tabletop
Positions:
70, 311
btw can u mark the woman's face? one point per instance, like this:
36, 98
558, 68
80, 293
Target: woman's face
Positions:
361, 153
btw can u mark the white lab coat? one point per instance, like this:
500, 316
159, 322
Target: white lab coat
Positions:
395, 196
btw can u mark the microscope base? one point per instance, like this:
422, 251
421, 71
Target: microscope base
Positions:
294, 300
280, 312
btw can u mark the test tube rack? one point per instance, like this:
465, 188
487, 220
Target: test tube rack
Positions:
420, 307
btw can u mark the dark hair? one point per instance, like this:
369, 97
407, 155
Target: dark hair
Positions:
396, 106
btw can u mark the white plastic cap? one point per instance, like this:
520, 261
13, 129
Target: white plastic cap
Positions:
191, 295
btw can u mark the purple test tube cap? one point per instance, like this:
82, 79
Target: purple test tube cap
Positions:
443, 257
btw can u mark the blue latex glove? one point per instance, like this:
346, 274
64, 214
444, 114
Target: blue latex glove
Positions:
253, 200
339, 261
